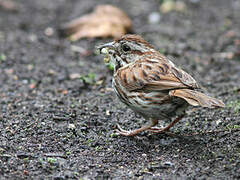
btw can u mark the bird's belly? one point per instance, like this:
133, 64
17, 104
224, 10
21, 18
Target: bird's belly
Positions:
165, 110
152, 104
160, 109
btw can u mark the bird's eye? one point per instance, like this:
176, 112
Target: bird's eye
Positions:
125, 48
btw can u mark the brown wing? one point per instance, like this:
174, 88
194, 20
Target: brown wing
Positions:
196, 98
185, 78
155, 75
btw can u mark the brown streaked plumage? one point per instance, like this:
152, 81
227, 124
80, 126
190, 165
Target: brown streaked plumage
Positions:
151, 85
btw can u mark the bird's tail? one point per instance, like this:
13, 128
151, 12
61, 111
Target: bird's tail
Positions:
196, 98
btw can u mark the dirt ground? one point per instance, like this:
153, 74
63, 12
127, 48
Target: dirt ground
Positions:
55, 126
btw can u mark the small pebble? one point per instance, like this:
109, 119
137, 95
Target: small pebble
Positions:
108, 113
71, 126
154, 18
218, 122
49, 31
144, 155
74, 76
32, 37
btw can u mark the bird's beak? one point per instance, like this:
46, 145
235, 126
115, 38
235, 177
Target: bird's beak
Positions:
107, 45
104, 49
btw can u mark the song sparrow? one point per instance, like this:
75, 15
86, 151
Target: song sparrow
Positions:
150, 84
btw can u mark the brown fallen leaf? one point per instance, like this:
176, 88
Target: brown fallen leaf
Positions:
104, 21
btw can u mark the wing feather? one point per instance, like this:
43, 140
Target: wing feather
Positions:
155, 76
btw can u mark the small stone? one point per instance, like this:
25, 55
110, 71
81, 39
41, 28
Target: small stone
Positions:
154, 18
25, 81
71, 126
49, 31
144, 155
15, 77
30, 67
75, 76
32, 37
108, 113
218, 122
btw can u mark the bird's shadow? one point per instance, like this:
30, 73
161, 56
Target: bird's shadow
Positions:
147, 142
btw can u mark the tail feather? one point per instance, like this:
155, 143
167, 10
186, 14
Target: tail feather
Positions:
196, 98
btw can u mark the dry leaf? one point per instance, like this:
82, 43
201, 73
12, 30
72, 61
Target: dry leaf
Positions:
104, 21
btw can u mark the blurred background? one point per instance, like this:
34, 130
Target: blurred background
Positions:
57, 107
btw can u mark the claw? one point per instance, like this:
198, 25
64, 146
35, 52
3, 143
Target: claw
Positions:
120, 131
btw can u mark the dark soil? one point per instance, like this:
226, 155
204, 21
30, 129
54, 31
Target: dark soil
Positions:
55, 126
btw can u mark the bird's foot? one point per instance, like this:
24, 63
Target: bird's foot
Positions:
123, 132
155, 130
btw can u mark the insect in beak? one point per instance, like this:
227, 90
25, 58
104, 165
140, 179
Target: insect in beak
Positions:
106, 50
105, 46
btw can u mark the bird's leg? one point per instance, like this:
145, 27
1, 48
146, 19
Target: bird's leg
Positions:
123, 132
161, 130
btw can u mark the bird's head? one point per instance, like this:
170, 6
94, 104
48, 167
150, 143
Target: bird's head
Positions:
125, 50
